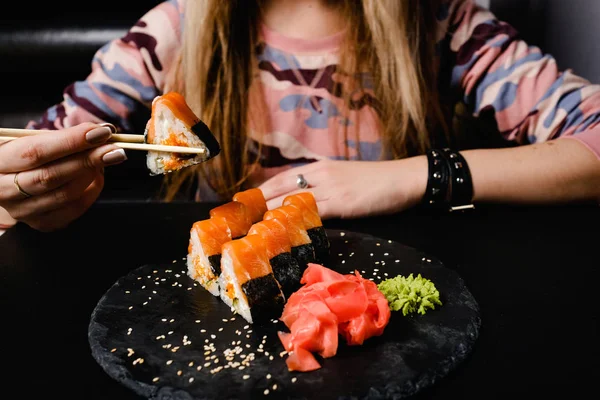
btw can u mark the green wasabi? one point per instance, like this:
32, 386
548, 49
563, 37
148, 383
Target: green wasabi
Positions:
410, 294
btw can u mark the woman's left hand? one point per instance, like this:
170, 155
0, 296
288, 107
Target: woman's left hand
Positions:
352, 189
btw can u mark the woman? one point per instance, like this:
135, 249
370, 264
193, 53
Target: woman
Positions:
360, 97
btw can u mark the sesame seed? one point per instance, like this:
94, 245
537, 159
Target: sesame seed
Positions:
266, 392
191, 364
377, 244
246, 377
342, 233
203, 330
179, 372
220, 329
113, 350
155, 379
199, 367
268, 376
172, 320
130, 307
213, 336
191, 379
274, 386
127, 291
197, 321
169, 362
294, 379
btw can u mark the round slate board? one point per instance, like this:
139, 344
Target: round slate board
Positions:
165, 337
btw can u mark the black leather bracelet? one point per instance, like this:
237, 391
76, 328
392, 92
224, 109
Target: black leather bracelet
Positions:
438, 181
461, 183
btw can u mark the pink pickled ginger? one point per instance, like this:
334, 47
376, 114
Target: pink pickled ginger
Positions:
327, 306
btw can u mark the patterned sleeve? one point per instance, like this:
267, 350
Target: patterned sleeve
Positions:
126, 74
531, 99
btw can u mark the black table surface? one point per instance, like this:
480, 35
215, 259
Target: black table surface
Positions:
533, 270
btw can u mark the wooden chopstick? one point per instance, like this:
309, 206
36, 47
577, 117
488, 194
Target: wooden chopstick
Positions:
125, 141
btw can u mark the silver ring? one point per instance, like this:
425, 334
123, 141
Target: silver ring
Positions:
19, 188
301, 182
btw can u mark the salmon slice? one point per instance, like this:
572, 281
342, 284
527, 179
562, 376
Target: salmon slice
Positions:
307, 203
294, 222
237, 216
255, 201
213, 233
275, 236
249, 258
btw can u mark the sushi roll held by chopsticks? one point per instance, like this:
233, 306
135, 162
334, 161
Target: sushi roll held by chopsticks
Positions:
173, 123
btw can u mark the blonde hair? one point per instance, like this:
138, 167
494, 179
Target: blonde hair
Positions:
393, 39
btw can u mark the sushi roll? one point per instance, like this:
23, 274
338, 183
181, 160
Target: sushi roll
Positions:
279, 251
247, 282
302, 247
237, 216
204, 252
312, 221
255, 201
173, 123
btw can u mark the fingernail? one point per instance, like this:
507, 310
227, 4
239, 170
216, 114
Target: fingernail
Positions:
114, 157
110, 126
98, 135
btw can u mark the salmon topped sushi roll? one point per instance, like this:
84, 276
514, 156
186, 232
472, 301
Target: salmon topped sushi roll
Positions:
204, 251
255, 201
312, 221
279, 251
237, 216
247, 282
302, 247
173, 123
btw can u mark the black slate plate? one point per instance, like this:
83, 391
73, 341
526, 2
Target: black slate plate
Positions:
155, 327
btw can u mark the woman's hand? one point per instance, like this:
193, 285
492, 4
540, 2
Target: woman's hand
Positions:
50, 179
351, 189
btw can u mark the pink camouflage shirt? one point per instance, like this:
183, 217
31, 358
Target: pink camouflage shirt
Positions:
487, 71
